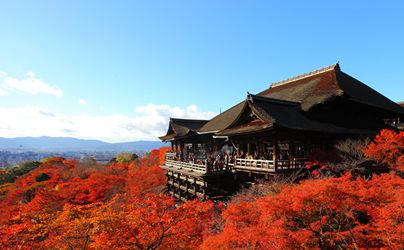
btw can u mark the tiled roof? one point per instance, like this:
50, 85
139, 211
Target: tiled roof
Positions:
182, 127
279, 113
308, 90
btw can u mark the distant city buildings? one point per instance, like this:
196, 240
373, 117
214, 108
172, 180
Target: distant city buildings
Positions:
12, 158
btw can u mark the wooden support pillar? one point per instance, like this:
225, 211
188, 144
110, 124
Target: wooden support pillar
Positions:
176, 148
263, 149
186, 187
173, 188
204, 190
167, 183
179, 187
307, 147
275, 151
194, 186
182, 151
292, 154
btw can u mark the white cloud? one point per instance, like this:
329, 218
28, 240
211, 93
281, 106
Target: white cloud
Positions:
83, 102
31, 84
150, 122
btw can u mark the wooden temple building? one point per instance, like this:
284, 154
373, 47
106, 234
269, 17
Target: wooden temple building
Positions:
272, 132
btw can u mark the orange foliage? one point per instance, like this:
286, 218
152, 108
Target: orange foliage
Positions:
388, 148
151, 222
118, 206
121, 206
329, 213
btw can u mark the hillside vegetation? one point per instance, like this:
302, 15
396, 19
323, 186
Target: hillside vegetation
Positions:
63, 204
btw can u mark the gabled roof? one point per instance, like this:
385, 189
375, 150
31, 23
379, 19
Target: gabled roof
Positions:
307, 90
325, 84
280, 113
357, 91
182, 127
223, 120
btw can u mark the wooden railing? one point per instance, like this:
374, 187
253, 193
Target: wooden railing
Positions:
186, 166
242, 164
264, 165
170, 156
291, 164
268, 165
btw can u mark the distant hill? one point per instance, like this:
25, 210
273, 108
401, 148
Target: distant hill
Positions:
45, 143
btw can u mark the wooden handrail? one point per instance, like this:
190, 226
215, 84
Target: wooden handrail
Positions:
247, 164
268, 165
186, 165
170, 156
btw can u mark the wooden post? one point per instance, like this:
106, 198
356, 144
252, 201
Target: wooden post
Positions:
173, 187
182, 151
307, 146
194, 186
168, 184
179, 187
186, 187
275, 150
204, 190
292, 154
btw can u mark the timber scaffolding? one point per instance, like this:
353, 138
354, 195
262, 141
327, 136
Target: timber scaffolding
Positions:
272, 133
187, 180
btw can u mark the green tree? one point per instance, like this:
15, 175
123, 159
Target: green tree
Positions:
126, 157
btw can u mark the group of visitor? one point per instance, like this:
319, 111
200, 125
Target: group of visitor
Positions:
219, 160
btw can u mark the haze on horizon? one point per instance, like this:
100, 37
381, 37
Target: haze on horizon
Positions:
115, 71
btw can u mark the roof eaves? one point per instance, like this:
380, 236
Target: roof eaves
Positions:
206, 132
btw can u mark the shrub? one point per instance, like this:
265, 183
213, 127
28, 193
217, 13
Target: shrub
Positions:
388, 148
347, 157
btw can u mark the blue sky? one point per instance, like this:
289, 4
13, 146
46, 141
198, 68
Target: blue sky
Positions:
133, 63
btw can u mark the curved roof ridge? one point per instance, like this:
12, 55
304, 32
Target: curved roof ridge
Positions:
188, 120
306, 75
270, 99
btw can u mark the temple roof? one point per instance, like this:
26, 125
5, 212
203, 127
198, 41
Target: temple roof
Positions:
311, 89
272, 113
323, 85
182, 127
223, 120
285, 104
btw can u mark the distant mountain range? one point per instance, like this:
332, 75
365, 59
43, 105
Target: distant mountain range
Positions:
53, 144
